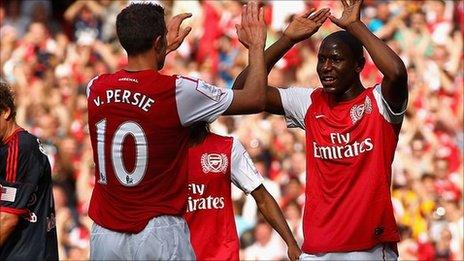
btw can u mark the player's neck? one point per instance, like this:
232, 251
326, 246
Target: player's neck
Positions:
10, 129
352, 92
140, 63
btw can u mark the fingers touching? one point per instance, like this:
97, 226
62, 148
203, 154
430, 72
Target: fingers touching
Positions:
252, 30
320, 16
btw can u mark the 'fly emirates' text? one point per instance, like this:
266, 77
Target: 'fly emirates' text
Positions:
209, 202
342, 148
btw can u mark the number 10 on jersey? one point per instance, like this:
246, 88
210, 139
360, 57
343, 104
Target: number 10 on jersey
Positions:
124, 177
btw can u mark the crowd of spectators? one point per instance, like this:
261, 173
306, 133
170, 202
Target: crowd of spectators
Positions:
49, 50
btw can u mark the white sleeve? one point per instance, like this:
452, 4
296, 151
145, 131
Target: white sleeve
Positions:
199, 101
295, 102
244, 174
385, 109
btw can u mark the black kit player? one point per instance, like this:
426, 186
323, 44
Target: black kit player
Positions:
27, 212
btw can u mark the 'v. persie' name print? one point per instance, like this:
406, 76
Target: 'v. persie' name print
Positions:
125, 96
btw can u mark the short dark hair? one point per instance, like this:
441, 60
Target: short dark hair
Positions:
138, 25
7, 99
352, 42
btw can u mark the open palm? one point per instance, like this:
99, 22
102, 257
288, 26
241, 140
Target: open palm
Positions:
305, 25
351, 13
175, 36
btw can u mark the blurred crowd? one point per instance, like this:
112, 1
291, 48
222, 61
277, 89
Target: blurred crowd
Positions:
49, 50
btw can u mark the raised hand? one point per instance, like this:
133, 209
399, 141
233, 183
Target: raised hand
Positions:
175, 36
305, 25
351, 13
252, 30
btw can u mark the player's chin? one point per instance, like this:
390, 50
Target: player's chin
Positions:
330, 89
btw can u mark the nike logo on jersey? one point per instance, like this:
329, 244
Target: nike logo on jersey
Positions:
320, 116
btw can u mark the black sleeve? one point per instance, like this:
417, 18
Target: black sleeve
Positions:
18, 192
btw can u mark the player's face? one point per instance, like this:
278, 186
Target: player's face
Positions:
336, 67
3, 125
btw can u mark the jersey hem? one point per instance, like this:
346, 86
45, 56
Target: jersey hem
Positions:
133, 229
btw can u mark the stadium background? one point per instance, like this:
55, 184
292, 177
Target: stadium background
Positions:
49, 50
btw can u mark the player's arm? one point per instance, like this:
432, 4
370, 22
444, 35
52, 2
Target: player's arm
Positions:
301, 28
8, 223
252, 34
17, 190
394, 83
246, 177
273, 215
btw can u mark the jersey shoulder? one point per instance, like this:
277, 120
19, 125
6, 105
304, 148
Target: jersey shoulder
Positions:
28, 141
214, 142
30, 147
216, 137
101, 78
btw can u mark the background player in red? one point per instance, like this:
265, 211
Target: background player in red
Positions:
214, 162
27, 212
351, 136
138, 123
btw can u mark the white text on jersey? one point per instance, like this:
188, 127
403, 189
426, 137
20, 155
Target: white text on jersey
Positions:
125, 96
343, 149
197, 188
203, 202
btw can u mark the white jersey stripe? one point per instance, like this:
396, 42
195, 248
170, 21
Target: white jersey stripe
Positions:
89, 85
385, 109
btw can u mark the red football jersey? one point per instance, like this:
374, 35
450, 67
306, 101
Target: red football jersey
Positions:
137, 123
213, 165
350, 149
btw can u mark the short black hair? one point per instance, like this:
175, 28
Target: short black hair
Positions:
138, 25
7, 99
352, 42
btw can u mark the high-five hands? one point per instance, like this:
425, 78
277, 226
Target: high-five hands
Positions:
252, 30
350, 15
175, 36
305, 25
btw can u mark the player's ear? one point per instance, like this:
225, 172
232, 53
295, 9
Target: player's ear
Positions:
6, 114
159, 44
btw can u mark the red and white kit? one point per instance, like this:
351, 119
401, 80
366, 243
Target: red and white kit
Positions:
138, 128
213, 165
350, 147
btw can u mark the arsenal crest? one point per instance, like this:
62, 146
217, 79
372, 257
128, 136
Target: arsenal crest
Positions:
215, 163
357, 111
